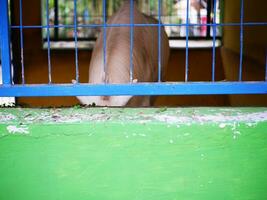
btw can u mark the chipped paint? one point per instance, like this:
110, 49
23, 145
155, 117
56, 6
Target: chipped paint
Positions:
13, 129
177, 116
5, 117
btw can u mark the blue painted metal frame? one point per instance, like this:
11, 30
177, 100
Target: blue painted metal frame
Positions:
241, 39
159, 40
214, 41
187, 37
4, 42
131, 39
189, 88
76, 43
159, 88
48, 44
139, 25
104, 26
21, 42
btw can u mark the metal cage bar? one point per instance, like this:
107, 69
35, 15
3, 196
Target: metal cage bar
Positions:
76, 42
266, 66
139, 25
187, 37
159, 40
157, 88
189, 88
241, 39
131, 39
5, 43
21, 43
214, 41
48, 42
104, 26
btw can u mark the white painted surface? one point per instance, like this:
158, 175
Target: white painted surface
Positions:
5, 101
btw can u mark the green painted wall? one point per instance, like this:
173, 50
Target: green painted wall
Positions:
107, 153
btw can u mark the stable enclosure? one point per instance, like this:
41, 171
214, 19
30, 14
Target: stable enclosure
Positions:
224, 69
218, 58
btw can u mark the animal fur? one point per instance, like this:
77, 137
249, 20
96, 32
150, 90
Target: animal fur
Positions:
145, 57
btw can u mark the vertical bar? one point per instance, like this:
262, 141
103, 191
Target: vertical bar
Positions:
48, 42
113, 6
266, 66
241, 39
150, 2
65, 18
214, 25
131, 38
76, 42
208, 18
170, 8
5, 43
187, 35
104, 38
21, 42
159, 40
56, 19
16, 51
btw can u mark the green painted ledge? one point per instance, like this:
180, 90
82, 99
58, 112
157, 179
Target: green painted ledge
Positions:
133, 154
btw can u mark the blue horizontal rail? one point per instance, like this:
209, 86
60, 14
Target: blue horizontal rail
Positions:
170, 88
138, 25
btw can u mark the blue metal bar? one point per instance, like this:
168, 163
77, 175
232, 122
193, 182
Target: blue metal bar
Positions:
131, 39
139, 25
159, 40
266, 66
21, 42
104, 39
76, 42
241, 39
189, 88
187, 36
5, 43
213, 41
48, 43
